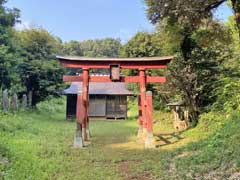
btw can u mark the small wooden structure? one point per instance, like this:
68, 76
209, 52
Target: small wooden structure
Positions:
115, 65
106, 100
181, 115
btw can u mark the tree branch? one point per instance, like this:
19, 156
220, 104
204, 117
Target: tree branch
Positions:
214, 5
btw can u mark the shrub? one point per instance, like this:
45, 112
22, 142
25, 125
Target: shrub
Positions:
228, 95
53, 105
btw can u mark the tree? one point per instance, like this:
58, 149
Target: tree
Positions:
107, 47
8, 18
236, 39
40, 73
144, 44
8, 57
202, 45
187, 12
72, 48
141, 44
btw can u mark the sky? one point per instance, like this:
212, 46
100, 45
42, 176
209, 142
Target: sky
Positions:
89, 19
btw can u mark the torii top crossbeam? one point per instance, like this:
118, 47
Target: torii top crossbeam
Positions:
124, 63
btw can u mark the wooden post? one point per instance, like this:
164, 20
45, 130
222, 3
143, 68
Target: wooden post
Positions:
140, 121
78, 140
85, 102
30, 96
142, 76
24, 101
5, 101
149, 141
15, 102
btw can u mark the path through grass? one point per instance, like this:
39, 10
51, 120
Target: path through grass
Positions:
39, 146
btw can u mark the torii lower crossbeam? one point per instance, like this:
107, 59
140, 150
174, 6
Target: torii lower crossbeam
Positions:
126, 79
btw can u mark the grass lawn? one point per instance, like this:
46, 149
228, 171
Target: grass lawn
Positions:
39, 146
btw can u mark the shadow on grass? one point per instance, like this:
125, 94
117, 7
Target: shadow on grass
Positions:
168, 138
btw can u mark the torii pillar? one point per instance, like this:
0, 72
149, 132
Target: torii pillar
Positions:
78, 140
142, 104
85, 97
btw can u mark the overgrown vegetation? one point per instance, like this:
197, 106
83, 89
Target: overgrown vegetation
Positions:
203, 45
38, 145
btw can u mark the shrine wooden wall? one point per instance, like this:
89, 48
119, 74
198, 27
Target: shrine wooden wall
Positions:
104, 106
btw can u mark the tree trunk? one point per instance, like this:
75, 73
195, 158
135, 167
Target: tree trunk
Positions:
236, 9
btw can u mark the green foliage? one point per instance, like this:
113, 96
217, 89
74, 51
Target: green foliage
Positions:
211, 121
8, 56
35, 145
228, 95
219, 151
44, 142
168, 37
190, 14
51, 106
142, 44
40, 73
159, 103
9, 78
72, 48
235, 4
182, 11
8, 18
107, 47
235, 36
202, 45
11, 123
195, 77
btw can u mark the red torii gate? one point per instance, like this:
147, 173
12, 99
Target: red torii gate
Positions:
115, 64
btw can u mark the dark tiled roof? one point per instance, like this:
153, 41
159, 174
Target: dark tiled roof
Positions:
179, 103
114, 88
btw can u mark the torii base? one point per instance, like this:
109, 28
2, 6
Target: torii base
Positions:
144, 134
78, 139
84, 134
140, 132
88, 132
149, 141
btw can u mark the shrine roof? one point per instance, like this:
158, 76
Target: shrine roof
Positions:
96, 88
80, 58
179, 103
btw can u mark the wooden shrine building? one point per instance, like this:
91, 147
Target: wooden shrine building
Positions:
114, 65
106, 100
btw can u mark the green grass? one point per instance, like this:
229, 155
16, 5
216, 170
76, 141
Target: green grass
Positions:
38, 145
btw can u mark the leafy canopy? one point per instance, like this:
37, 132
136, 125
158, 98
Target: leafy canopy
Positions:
40, 73
189, 13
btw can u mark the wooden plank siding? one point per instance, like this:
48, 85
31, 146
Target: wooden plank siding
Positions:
100, 106
116, 107
97, 106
